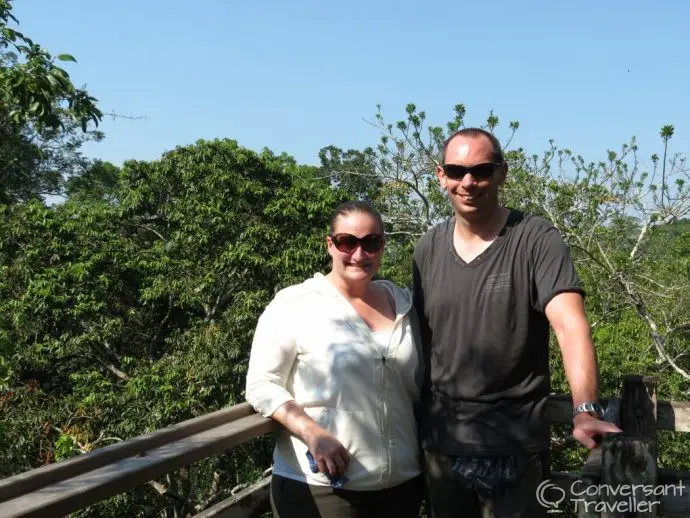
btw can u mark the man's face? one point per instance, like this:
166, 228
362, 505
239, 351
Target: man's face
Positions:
473, 199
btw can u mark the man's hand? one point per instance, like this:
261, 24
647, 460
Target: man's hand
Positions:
330, 455
587, 429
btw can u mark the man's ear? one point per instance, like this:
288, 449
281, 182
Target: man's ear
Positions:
503, 173
441, 175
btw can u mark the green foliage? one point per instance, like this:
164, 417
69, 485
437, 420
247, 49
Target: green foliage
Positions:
65, 447
34, 87
44, 117
123, 315
132, 305
99, 181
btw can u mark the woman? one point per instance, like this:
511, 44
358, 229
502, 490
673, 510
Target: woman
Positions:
334, 360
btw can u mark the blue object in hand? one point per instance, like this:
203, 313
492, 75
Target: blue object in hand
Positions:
336, 481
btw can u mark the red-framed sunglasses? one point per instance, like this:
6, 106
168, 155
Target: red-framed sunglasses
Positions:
347, 243
478, 172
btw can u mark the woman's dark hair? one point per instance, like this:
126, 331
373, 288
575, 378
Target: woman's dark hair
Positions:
351, 207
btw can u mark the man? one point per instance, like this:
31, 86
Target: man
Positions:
488, 284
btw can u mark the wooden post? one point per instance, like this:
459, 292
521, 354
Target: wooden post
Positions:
587, 502
629, 460
628, 477
638, 406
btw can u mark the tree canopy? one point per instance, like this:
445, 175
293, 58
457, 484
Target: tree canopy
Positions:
132, 305
44, 117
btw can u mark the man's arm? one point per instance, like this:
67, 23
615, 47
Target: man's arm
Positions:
567, 316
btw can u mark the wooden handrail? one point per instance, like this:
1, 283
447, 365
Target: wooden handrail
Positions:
671, 415
72, 493
252, 498
75, 483
36, 478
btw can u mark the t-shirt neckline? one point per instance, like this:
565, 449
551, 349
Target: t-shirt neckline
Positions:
495, 244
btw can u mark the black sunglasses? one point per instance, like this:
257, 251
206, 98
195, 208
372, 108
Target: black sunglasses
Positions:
347, 243
479, 171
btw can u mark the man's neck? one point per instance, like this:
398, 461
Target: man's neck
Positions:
484, 229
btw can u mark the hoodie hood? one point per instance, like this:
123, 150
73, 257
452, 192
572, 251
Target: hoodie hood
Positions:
401, 296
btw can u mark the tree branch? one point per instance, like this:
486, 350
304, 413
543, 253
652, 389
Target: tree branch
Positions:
159, 331
122, 375
221, 300
643, 233
657, 339
165, 491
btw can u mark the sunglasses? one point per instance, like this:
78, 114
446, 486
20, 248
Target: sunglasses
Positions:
347, 243
478, 172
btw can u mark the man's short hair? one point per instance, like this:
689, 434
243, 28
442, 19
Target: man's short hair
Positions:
496, 154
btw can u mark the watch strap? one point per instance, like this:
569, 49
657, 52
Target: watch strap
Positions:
590, 407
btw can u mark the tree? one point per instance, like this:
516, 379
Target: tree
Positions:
34, 89
606, 211
44, 117
351, 171
123, 315
612, 214
100, 181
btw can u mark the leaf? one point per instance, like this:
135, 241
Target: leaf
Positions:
66, 57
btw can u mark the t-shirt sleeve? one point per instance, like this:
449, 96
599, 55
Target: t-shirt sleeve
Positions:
271, 359
554, 270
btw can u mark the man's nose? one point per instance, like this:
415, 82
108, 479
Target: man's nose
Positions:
468, 180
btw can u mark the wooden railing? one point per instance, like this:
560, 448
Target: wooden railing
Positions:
619, 462
621, 477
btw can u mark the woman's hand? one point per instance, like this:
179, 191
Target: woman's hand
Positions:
330, 455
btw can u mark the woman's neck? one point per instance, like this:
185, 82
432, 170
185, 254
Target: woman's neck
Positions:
350, 290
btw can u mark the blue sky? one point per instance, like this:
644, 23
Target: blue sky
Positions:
298, 76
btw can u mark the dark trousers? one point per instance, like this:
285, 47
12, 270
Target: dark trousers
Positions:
449, 498
295, 499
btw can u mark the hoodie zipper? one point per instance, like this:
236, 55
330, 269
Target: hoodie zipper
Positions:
386, 431
360, 326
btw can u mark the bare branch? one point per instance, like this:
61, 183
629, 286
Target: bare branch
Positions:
657, 339
129, 117
642, 235
159, 331
120, 374
222, 299
165, 491
154, 231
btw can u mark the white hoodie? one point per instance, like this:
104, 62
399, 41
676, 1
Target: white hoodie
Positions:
311, 346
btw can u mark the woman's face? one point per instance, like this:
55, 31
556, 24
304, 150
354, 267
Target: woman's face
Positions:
351, 259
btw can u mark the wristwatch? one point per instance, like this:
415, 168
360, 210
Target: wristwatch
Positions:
593, 408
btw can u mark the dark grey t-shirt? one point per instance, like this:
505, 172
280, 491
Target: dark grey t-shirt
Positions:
486, 337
